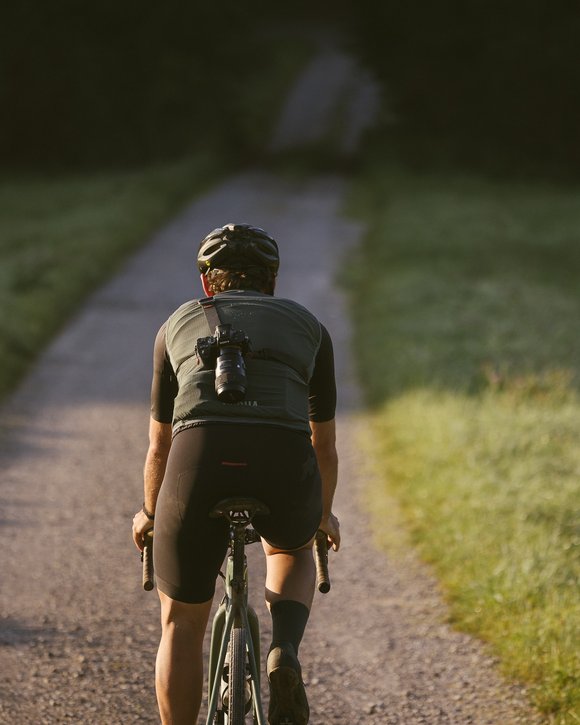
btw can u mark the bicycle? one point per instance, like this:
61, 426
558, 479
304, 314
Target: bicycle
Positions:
234, 657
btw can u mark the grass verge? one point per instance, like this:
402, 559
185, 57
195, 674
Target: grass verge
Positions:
473, 388
60, 238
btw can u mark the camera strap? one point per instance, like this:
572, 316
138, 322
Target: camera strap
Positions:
211, 314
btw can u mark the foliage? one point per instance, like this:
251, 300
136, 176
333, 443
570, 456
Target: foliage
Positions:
478, 82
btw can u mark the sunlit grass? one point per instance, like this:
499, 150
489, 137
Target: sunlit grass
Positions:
468, 348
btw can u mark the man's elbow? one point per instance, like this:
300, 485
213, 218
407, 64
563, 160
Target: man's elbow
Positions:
159, 439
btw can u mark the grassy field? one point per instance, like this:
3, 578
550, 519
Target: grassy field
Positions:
473, 390
59, 238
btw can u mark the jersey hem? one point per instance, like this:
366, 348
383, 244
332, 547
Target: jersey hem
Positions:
238, 421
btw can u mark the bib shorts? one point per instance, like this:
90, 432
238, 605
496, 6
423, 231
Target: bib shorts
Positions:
213, 461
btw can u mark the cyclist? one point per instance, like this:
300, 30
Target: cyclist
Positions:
277, 445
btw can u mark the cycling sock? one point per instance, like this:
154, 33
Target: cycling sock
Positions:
289, 619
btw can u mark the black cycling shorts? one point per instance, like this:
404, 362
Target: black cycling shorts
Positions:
214, 461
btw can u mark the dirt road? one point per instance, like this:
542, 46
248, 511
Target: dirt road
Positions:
77, 633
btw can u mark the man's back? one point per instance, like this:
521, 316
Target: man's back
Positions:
284, 343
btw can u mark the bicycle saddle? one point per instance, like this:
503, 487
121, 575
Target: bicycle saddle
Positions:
236, 508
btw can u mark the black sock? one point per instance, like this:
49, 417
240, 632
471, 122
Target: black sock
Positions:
289, 619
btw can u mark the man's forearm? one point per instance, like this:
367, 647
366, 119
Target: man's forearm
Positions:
153, 474
328, 466
155, 462
324, 444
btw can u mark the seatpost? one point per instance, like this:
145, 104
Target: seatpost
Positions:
238, 551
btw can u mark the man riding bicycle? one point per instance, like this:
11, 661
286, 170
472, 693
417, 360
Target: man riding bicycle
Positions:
261, 425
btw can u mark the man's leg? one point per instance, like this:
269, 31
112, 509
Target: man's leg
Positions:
290, 582
290, 575
179, 667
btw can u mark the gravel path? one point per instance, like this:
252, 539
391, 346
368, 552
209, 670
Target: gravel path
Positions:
77, 634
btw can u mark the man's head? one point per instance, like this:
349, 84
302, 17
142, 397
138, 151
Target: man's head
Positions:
238, 256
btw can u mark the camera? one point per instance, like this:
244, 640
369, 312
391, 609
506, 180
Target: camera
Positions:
225, 354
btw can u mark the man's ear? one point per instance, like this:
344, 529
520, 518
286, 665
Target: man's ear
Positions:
205, 285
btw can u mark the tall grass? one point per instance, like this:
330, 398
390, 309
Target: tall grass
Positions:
473, 388
59, 238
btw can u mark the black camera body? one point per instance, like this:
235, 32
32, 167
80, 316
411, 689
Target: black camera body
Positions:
224, 353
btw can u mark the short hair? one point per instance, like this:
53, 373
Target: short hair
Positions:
260, 279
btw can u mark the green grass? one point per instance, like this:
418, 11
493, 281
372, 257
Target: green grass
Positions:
469, 353
60, 238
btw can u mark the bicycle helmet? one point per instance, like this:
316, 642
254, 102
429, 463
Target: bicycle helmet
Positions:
238, 246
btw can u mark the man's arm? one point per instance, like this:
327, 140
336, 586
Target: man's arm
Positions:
154, 471
155, 462
324, 443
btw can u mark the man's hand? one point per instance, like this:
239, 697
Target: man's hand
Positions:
141, 525
331, 528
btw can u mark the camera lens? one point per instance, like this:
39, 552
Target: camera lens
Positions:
230, 375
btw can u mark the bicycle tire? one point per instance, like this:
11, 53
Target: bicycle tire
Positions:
237, 678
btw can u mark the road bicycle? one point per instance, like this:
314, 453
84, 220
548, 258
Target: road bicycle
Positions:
234, 657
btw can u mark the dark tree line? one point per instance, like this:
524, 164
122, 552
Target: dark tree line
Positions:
121, 81
480, 79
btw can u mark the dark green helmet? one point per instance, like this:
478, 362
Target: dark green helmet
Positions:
238, 246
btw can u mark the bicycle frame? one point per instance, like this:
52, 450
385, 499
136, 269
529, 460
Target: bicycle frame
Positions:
234, 611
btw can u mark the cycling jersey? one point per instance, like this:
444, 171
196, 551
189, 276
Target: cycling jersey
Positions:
290, 371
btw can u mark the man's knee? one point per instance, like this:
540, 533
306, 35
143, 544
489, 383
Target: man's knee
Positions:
270, 550
182, 615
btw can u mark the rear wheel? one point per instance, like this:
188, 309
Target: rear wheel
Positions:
237, 678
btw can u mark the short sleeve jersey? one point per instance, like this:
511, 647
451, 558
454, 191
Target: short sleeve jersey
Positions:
290, 369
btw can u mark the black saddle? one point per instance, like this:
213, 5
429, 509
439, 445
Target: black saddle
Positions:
239, 510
